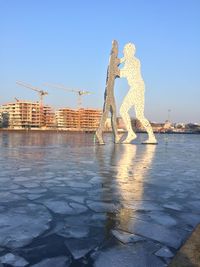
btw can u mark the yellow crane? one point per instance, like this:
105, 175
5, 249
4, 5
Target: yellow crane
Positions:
79, 93
41, 93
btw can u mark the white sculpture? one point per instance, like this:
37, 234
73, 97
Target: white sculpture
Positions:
135, 96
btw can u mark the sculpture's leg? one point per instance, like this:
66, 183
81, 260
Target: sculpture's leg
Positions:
102, 123
127, 103
114, 122
139, 110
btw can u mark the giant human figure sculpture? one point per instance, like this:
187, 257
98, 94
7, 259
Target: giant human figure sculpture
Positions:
135, 96
109, 99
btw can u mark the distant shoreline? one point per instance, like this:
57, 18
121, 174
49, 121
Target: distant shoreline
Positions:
87, 131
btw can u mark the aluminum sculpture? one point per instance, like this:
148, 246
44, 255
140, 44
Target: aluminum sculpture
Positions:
135, 96
109, 99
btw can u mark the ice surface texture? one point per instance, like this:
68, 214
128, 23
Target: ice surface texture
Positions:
65, 201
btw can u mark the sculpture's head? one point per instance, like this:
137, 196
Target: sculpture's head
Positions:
129, 50
115, 46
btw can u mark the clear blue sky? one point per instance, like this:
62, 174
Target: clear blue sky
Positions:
68, 42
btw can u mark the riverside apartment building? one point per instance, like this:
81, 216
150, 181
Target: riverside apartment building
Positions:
27, 114
30, 115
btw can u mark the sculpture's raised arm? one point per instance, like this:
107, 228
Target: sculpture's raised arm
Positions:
122, 60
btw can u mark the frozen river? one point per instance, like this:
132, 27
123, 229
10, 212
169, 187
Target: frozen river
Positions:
67, 202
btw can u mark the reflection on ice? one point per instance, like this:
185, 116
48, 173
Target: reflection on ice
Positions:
130, 178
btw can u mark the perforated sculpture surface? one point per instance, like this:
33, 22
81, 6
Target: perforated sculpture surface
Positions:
135, 96
109, 99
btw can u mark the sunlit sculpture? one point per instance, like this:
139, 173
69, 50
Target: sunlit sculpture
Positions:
109, 99
135, 96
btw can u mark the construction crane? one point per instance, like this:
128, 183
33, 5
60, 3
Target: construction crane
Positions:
79, 93
41, 95
40, 92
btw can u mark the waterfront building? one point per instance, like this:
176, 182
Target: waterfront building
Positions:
78, 119
26, 114
49, 118
89, 118
67, 118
